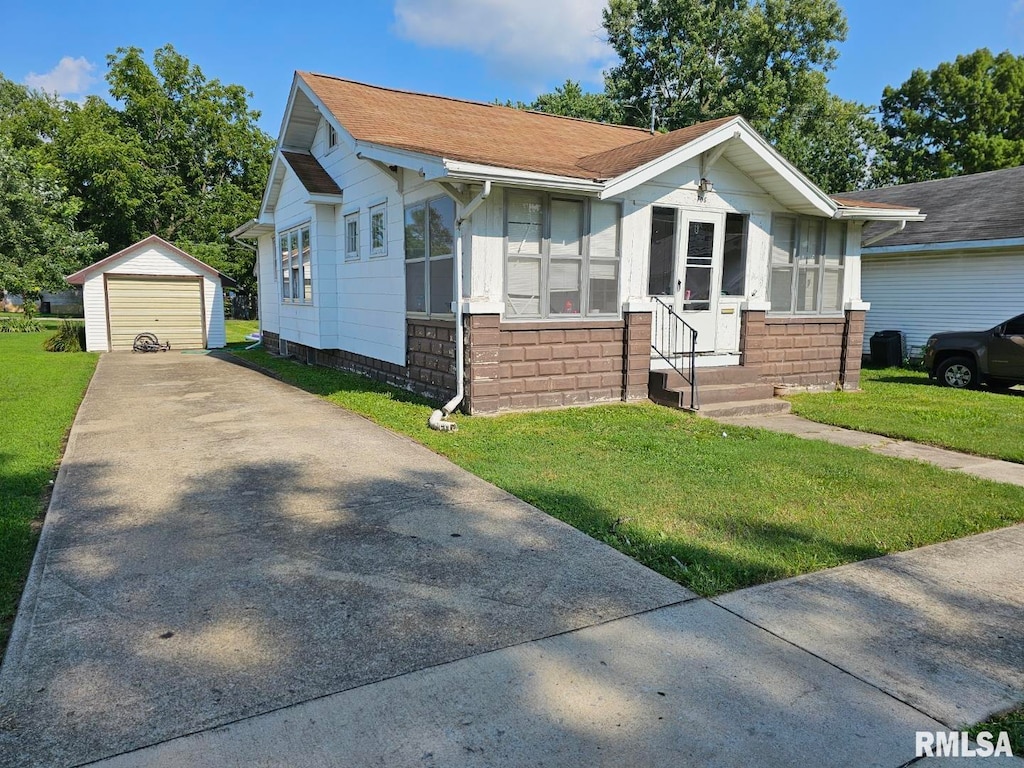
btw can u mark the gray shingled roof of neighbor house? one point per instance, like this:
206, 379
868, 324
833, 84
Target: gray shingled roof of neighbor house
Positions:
980, 206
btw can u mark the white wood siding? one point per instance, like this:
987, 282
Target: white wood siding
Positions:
152, 260
925, 294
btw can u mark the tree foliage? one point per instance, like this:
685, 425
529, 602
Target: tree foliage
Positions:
696, 60
177, 155
40, 242
570, 100
964, 116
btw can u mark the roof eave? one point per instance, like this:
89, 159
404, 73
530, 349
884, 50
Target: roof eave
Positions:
464, 171
847, 213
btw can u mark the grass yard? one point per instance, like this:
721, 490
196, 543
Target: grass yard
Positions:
237, 330
1012, 723
902, 403
39, 395
715, 511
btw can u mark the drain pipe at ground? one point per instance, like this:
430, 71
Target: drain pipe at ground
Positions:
439, 419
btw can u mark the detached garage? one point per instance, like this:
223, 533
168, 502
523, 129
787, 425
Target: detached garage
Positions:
152, 287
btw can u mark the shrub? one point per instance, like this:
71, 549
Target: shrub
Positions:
21, 325
70, 337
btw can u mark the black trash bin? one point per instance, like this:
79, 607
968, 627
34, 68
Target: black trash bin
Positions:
887, 349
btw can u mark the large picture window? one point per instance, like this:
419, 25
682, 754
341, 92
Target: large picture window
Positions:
561, 256
429, 256
295, 253
808, 259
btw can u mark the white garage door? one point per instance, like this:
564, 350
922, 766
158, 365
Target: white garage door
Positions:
170, 308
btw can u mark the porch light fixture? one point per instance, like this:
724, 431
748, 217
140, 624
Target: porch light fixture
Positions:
704, 187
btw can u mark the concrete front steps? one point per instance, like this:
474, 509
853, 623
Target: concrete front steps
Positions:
734, 390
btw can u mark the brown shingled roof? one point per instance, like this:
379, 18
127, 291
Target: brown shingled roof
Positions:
490, 134
314, 178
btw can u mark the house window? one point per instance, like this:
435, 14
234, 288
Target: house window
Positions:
352, 236
807, 264
734, 255
295, 250
561, 256
429, 256
332, 137
378, 230
663, 249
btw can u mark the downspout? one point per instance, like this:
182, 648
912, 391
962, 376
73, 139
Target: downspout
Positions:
438, 419
897, 227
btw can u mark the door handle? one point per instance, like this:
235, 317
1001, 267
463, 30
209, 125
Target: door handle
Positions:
679, 283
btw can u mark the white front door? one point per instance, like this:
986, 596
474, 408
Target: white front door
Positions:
698, 270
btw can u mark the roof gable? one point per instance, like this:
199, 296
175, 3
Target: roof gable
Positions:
79, 277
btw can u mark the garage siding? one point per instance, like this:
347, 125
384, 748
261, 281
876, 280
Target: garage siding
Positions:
922, 295
172, 309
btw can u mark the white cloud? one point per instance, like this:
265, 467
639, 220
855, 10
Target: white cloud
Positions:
69, 77
527, 40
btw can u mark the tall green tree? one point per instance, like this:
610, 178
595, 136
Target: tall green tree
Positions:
695, 60
570, 100
40, 241
177, 154
964, 116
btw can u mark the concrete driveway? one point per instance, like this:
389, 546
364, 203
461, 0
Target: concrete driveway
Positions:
234, 572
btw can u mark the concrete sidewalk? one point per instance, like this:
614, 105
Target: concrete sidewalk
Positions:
236, 573
979, 466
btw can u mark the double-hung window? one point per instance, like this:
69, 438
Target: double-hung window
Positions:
429, 256
561, 256
296, 269
352, 236
807, 265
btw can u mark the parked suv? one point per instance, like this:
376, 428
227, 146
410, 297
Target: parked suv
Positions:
963, 359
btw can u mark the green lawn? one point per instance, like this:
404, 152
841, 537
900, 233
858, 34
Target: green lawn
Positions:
237, 330
39, 395
715, 508
902, 403
1012, 723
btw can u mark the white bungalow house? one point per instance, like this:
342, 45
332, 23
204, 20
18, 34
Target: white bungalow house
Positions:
962, 269
508, 259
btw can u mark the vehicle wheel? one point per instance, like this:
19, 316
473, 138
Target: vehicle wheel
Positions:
957, 372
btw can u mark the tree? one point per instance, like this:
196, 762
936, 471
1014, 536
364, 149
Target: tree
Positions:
962, 117
178, 155
39, 244
39, 240
569, 100
696, 60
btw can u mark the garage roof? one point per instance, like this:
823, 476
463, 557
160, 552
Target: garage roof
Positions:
79, 277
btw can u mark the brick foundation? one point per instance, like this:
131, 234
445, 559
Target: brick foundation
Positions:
430, 359
514, 366
805, 351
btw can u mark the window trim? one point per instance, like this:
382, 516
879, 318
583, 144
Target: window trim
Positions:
332, 136
351, 218
822, 267
380, 209
304, 241
545, 256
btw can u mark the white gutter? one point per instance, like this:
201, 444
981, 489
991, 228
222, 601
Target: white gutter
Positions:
897, 227
463, 171
438, 418
951, 245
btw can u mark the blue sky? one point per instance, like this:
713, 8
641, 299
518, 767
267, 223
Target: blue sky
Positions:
476, 49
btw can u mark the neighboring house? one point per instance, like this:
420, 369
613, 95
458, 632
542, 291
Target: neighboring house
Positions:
65, 303
961, 269
152, 287
397, 228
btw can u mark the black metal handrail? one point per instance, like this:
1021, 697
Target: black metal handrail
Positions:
675, 341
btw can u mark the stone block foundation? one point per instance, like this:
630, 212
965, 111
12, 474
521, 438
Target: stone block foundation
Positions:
509, 366
804, 351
